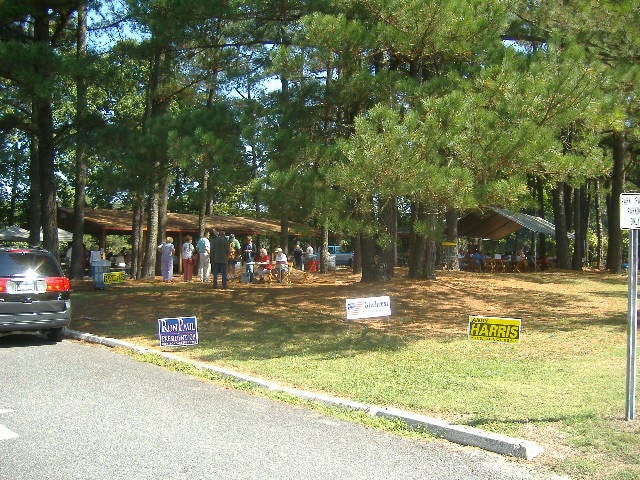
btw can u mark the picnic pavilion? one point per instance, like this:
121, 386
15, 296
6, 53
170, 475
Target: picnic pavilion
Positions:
495, 223
103, 222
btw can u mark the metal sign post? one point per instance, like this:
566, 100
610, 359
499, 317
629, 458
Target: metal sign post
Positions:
633, 325
630, 220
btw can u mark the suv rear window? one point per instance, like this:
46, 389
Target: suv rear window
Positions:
19, 263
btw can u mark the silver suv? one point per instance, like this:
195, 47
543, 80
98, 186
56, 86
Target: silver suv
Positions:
34, 293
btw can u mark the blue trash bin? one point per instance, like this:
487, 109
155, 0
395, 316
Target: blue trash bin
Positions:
100, 267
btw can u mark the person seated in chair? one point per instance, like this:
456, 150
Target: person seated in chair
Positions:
282, 263
264, 264
476, 259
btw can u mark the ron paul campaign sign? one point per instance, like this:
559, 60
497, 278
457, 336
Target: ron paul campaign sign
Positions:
178, 331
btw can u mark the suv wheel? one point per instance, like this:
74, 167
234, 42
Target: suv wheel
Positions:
55, 334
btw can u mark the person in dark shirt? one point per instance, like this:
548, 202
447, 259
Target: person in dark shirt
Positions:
248, 255
220, 254
297, 256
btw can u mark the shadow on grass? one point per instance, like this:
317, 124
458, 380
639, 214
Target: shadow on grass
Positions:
271, 321
484, 422
247, 323
569, 277
269, 343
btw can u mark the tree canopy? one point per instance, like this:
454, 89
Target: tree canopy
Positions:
359, 117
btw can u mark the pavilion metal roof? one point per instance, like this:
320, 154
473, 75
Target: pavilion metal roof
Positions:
496, 223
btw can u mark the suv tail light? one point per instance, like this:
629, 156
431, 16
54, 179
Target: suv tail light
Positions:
58, 284
53, 284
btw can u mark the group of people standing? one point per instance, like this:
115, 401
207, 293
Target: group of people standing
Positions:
221, 254
302, 256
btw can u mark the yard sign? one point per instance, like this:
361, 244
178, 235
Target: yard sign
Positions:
370, 307
630, 220
178, 331
494, 329
113, 277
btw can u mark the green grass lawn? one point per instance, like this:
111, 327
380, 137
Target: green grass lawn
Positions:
563, 385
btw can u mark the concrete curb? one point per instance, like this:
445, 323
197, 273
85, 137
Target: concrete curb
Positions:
460, 434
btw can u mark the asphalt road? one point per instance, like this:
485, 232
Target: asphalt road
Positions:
76, 411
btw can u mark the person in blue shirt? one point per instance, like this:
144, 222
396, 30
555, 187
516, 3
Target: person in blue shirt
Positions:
476, 258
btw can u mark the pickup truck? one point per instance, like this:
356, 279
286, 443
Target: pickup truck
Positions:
342, 257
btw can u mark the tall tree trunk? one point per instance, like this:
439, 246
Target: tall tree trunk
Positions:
585, 192
163, 204
431, 249
390, 221
417, 241
357, 253
35, 208
568, 206
44, 127
542, 248
15, 186
163, 200
395, 239
451, 251
598, 220
369, 264
374, 268
431, 252
377, 262
422, 243
137, 252
210, 203
77, 253
156, 106
560, 219
614, 250
324, 248
203, 202
580, 232
284, 232
151, 243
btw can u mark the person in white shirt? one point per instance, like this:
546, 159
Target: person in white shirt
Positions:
308, 256
187, 258
95, 255
282, 263
204, 264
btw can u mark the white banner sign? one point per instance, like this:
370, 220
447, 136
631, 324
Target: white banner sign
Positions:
368, 307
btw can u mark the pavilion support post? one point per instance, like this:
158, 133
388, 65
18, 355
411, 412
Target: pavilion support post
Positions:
179, 249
